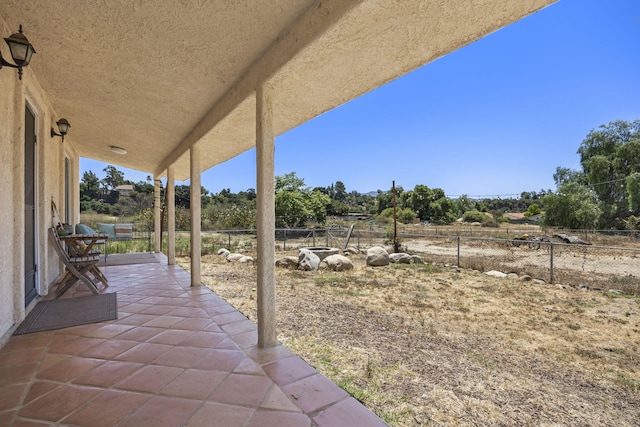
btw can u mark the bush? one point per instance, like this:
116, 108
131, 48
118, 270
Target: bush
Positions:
474, 216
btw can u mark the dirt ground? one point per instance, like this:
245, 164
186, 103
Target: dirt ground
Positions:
426, 345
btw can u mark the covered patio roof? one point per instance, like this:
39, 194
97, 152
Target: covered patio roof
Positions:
157, 77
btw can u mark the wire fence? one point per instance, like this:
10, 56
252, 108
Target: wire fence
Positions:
593, 266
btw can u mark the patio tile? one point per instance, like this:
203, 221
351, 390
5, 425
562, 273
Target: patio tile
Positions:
144, 352
17, 358
230, 317
136, 319
241, 389
162, 411
108, 374
348, 412
39, 388
141, 334
165, 363
276, 399
219, 415
164, 321
108, 331
248, 366
239, 327
194, 384
204, 339
286, 371
6, 417
10, 396
190, 312
27, 342
315, 392
158, 310
78, 330
246, 340
264, 418
150, 379
136, 307
183, 357
109, 349
108, 409
220, 360
171, 337
227, 344
69, 369
72, 345
267, 355
194, 324
58, 403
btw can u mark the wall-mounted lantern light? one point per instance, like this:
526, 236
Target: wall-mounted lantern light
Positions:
63, 128
21, 51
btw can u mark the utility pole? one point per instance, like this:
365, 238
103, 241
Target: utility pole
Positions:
396, 246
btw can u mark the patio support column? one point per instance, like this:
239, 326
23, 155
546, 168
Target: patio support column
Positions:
157, 219
171, 216
265, 153
196, 239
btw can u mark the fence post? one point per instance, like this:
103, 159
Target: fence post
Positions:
358, 239
458, 264
551, 262
314, 238
284, 244
229, 240
326, 237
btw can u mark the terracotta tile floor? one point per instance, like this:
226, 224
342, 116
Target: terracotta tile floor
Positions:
176, 356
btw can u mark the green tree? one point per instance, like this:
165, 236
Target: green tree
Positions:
533, 209
610, 159
340, 191
404, 215
573, 206
113, 177
295, 204
89, 186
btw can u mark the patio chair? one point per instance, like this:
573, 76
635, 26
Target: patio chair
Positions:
76, 267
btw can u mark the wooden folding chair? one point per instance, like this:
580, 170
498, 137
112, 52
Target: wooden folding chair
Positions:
76, 267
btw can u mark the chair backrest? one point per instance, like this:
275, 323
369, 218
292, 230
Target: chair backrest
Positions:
57, 245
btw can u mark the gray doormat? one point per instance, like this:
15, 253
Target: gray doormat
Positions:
66, 312
128, 259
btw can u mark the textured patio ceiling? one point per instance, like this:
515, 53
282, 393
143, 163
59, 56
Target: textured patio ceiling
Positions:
156, 77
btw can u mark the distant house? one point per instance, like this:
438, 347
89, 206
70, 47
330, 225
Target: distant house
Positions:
124, 190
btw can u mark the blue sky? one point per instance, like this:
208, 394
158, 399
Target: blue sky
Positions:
494, 118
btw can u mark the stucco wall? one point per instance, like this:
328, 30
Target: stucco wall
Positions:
7, 87
14, 96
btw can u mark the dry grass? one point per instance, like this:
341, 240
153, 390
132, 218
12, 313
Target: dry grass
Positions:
425, 345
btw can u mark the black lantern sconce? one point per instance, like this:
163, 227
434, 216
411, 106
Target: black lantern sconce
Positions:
21, 51
63, 128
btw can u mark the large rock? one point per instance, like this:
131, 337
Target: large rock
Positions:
400, 258
377, 256
351, 250
415, 259
338, 263
308, 261
495, 273
234, 257
287, 262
